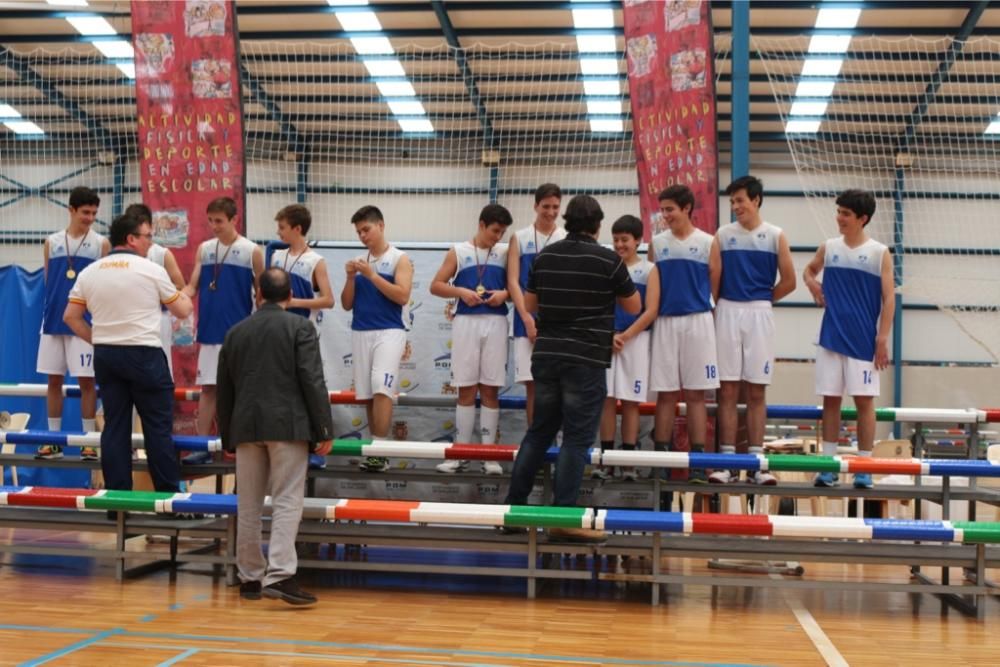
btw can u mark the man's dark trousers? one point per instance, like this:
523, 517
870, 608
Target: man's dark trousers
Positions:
136, 375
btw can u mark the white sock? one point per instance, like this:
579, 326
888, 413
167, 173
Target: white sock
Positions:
489, 422
755, 449
55, 423
829, 448
89, 425
865, 452
465, 423
727, 449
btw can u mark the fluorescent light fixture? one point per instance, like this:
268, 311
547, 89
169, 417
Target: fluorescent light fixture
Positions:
802, 126
603, 107
803, 108
372, 45
395, 88
7, 111
592, 87
91, 25
23, 127
593, 18
422, 125
118, 48
128, 69
599, 66
822, 66
384, 67
359, 21
347, 3
814, 88
607, 125
829, 17
68, 3
596, 44
829, 43
992, 128
406, 107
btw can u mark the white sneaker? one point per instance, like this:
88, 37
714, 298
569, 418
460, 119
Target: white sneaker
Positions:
630, 474
600, 472
762, 478
451, 466
721, 477
492, 468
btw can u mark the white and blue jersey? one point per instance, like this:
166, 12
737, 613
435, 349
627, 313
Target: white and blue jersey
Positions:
157, 254
478, 266
230, 301
529, 244
640, 276
685, 287
749, 261
66, 252
852, 289
302, 269
374, 311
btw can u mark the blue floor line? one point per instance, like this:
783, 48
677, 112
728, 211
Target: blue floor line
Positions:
72, 648
166, 663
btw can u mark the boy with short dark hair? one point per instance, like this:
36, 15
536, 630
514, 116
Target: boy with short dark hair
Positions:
311, 291
859, 300
475, 274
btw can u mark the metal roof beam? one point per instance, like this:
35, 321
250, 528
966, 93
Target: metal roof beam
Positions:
463, 66
257, 93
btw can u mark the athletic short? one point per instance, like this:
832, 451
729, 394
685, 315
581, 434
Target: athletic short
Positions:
375, 360
478, 350
58, 354
837, 374
167, 339
208, 364
744, 331
628, 377
684, 353
522, 359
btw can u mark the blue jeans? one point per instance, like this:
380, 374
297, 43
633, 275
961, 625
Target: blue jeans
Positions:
569, 396
136, 375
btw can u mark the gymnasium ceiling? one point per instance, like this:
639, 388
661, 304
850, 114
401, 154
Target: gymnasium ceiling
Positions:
71, 97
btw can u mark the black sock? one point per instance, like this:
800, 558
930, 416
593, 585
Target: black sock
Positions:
662, 445
628, 447
697, 448
607, 444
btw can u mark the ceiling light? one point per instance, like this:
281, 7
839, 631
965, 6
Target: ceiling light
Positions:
117, 48
604, 107
829, 43
822, 67
837, 18
801, 108
7, 111
421, 125
128, 69
396, 88
91, 25
372, 45
815, 88
598, 66
593, 87
607, 125
384, 67
802, 126
593, 18
596, 44
406, 107
68, 3
24, 127
359, 21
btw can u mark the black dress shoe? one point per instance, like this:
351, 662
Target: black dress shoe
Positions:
512, 530
289, 591
250, 590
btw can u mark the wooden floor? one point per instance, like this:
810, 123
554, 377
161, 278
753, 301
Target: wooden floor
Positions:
70, 611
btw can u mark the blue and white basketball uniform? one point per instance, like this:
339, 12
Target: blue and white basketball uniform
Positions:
378, 330
744, 318
628, 375
157, 255
685, 355
529, 243
479, 333
225, 297
302, 269
852, 289
59, 349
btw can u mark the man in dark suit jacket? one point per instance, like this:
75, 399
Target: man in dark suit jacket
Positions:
273, 405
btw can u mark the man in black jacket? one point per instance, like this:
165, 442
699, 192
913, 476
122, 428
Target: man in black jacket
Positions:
273, 405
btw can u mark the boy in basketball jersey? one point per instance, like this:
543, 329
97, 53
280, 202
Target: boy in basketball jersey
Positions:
475, 274
859, 299
684, 347
525, 245
226, 269
66, 254
628, 376
376, 290
752, 254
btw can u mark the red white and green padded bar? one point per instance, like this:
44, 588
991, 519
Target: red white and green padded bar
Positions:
527, 516
802, 412
446, 450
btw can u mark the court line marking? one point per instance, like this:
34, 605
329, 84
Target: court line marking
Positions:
72, 648
823, 644
166, 663
120, 633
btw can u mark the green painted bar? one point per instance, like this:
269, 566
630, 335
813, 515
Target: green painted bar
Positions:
776, 462
884, 414
349, 447
545, 517
979, 531
136, 501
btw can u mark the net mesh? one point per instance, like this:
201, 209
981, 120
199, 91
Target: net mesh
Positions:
924, 152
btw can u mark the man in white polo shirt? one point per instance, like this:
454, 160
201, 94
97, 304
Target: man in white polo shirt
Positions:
123, 293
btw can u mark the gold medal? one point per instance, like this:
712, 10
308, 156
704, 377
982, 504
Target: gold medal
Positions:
71, 274
480, 290
211, 286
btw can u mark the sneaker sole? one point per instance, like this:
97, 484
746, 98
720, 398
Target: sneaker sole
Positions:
290, 599
48, 457
250, 596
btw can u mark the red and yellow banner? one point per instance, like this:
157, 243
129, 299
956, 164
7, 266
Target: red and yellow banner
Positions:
190, 126
671, 80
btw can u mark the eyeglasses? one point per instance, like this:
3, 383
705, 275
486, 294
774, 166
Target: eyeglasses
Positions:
147, 235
